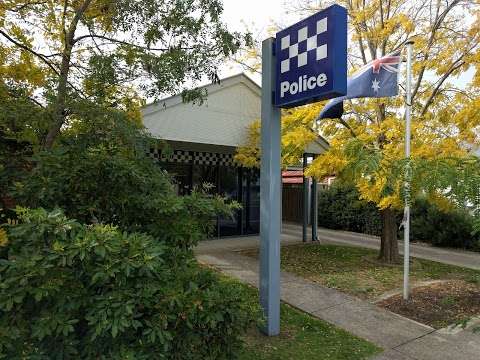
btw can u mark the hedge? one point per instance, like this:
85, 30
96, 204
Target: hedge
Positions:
339, 208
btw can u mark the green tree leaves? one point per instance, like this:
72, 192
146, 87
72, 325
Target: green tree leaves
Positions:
108, 51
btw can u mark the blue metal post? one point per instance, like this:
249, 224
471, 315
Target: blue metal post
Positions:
305, 200
270, 195
314, 209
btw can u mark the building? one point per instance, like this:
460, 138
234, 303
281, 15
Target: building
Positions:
203, 140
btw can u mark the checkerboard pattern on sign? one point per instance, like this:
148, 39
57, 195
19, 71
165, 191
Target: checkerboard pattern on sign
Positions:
312, 45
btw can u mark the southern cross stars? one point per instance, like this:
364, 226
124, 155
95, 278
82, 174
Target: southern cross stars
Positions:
375, 85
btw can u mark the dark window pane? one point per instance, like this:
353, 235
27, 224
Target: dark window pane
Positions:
204, 174
228, 187
251, 201
181, 174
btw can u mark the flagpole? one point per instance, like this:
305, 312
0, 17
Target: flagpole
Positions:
406, 219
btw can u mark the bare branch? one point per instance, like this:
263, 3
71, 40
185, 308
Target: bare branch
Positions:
31, 51
117, 41
244, 64
64, 16
347, 126
439, 18
439, 84
27, 4
42, 57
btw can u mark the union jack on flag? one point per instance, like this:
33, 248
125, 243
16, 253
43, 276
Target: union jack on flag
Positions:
388, 63
379, 78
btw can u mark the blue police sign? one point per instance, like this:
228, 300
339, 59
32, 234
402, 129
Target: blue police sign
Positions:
312, 59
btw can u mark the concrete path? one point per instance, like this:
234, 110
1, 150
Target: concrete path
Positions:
401, 338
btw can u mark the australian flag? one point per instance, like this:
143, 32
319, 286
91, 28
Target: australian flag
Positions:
378, 78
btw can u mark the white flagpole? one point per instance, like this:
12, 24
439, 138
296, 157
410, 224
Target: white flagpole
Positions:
406, 216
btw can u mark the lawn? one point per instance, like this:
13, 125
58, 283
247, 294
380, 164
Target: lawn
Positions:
447, 295
354, 270
303, 337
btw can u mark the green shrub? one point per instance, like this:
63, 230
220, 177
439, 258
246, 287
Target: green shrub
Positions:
71, 291
105, 185
339, 208
450, 229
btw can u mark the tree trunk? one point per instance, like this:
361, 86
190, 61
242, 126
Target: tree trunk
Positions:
389, 242
59, 114
59, 106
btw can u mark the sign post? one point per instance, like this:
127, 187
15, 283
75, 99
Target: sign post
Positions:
270, 195
306, 62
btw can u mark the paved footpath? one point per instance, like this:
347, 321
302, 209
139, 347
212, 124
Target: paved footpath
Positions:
401, 338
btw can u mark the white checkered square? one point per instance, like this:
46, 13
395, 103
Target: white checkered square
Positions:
285, 42
302, 34
293, 51
302, 59
322, 52
322, 25
312, 45
285, 65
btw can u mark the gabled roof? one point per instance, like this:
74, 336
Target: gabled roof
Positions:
223, 118
231, 106
211, 89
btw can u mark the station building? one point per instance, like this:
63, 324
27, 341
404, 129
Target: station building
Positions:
202, 143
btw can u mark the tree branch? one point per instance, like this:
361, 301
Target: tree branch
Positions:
244, 64
64, 16
113, 40
31, 51
347, 126
26, 5
42, 57
59, 113
439, 84
439, 18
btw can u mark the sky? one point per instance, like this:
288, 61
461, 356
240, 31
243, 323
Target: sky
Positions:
259, 12
257, 15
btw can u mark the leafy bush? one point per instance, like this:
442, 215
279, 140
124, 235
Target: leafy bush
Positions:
450, 229
104, 185
339, 208
128, 290
71, 291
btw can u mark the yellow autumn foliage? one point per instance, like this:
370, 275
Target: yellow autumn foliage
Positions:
297, 133
3, 238
367, 144
42, 31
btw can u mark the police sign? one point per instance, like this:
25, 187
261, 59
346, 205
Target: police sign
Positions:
305, 63
311, 59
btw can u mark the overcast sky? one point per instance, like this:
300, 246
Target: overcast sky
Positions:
258, 15
258, 12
